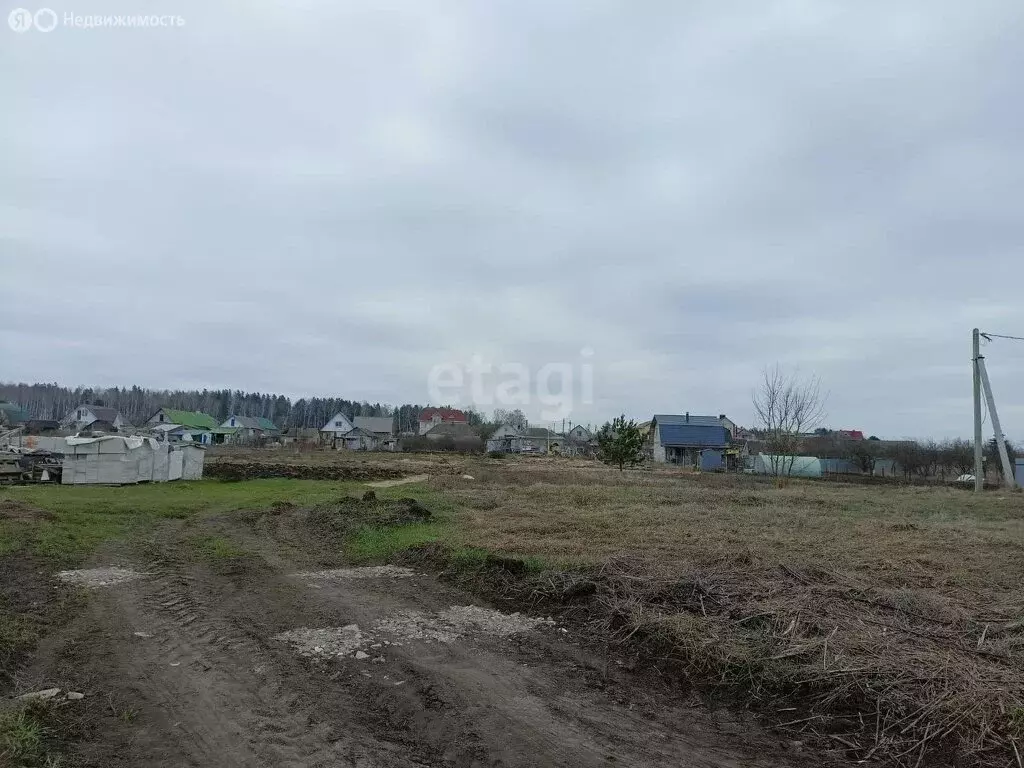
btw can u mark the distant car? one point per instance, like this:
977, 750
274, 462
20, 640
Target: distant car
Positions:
965, 479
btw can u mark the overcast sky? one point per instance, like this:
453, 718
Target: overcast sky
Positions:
330, 198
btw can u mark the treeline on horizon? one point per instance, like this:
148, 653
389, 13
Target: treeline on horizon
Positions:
138, 404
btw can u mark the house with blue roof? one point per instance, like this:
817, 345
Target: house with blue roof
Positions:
696, 441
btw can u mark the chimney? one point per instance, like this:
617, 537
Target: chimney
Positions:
687, 417
721, 415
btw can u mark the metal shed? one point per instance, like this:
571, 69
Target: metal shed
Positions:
118, 460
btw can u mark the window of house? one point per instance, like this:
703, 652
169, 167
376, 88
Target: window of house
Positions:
232, 421
161, 417
339, 423
79, 413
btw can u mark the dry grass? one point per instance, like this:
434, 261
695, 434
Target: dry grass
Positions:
885, 621
889, 621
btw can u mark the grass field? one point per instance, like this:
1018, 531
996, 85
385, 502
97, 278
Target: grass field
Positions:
889, 618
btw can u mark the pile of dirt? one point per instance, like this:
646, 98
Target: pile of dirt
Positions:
888, 675
13, 509
227, 469
335, 522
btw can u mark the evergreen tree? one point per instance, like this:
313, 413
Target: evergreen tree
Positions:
620, 442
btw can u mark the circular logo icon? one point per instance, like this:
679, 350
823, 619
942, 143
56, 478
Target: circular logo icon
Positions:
20, 20
45, 20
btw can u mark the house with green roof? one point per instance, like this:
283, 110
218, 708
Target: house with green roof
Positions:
186, 426
12, 413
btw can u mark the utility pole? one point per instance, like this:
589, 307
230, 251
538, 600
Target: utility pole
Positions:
1004, 457
975, 360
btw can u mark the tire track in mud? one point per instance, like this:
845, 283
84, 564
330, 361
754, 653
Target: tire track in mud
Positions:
221, 692
485, 701
220, 688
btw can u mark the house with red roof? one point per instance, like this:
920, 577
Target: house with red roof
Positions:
431, 417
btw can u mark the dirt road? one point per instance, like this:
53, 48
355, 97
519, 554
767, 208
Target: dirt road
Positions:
195, 648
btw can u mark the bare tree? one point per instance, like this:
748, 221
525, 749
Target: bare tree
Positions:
513, 418
787, 407
864, 454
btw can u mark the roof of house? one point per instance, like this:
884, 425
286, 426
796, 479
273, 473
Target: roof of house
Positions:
185, 429
191, 419
359, 432
379, 424
665, 419
339, 416
453, 428
255, 422
101, 412
694, 435
14, 413
541, 432
445, 414
224, 430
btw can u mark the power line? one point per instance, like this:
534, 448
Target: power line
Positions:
991, 336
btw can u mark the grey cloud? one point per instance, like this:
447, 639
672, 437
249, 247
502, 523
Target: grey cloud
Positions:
334, 198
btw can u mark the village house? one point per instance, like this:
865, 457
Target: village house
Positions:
850, 434
183, 426
431, 417
246, 429
500, 440
381, 427
697, 441
579, 433
358, 439
508, 439
338, 426
98, 418
538, 440
306, 435
580, 441
455, 434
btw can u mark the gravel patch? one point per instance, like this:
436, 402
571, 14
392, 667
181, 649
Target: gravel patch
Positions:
326, 642
368, 572
472, 618
452, 623
445, 627
100, 577
413, 625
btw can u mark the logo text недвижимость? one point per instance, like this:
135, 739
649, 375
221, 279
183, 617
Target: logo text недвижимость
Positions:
46, 20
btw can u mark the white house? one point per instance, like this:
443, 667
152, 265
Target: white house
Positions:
579, 433
431, 417
338, 425
85, 415
501, 439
